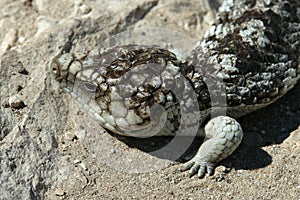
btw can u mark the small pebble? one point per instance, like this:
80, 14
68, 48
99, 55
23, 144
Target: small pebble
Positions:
77, 161
70, 136
16, 102
59, 192
80, 134
42, 23
112, 151
84, 9
82, 165
226, 170
9, 40
21, 40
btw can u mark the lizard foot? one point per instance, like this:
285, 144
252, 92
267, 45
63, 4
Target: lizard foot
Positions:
223, 135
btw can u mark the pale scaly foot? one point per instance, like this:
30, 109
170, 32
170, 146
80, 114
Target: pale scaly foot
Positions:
223, 135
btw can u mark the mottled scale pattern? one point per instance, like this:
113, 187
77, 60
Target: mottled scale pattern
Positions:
251, 53
124, 86
254, 48
248, 59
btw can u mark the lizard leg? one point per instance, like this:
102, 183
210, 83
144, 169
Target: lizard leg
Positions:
223, 135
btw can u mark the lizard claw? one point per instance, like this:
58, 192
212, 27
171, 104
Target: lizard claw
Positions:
195, 165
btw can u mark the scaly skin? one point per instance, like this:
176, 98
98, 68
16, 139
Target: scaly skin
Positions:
247, 60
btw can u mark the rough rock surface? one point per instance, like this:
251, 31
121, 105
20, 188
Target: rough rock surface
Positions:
51, 149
